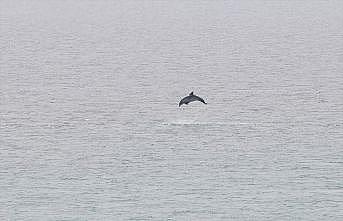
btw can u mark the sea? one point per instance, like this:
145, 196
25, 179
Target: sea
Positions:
90, 127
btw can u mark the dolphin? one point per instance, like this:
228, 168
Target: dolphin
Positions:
191, 97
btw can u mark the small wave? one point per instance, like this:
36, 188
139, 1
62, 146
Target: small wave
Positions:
185, 123
211, 123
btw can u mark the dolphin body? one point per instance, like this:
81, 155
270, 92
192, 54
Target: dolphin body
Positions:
190, 98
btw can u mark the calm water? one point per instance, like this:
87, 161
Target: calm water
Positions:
90, 128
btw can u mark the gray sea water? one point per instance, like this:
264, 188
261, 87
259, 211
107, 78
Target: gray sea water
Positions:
90, 127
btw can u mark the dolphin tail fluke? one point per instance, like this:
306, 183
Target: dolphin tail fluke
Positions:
202, 100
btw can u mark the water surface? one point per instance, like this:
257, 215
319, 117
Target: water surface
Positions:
90, 127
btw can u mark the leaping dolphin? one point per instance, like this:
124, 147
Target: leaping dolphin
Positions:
191, 97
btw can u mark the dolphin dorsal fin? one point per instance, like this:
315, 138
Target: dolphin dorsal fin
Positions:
191, 93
